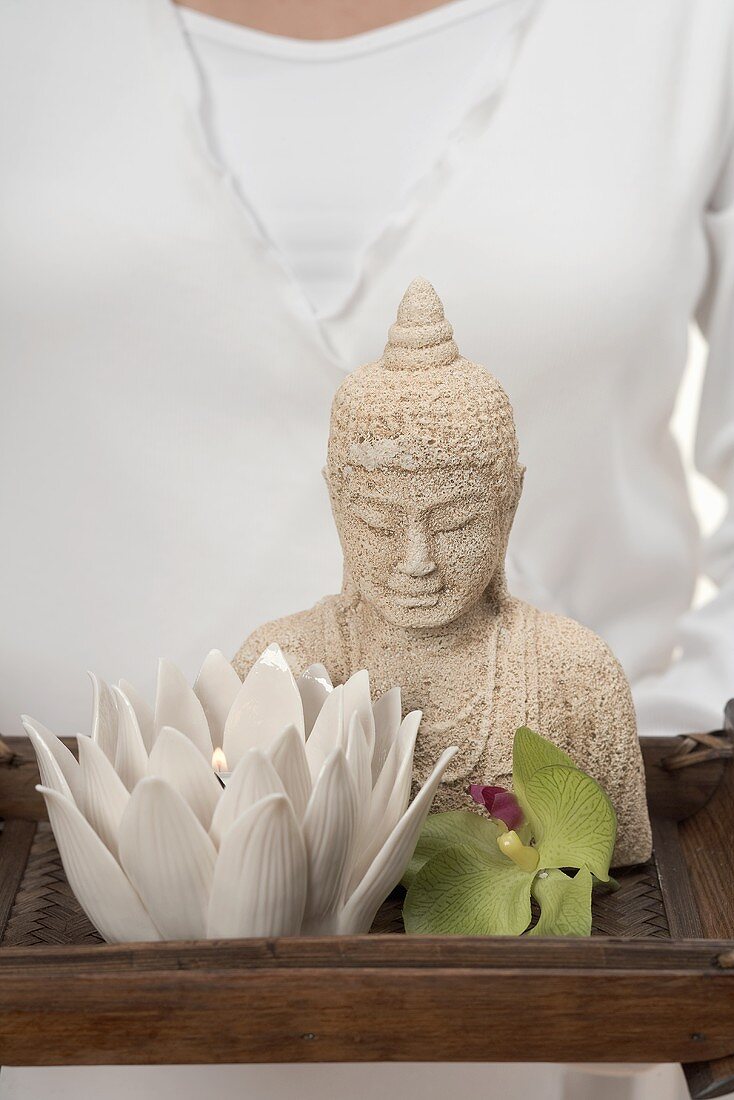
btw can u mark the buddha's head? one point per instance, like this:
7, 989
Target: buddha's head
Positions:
423, 473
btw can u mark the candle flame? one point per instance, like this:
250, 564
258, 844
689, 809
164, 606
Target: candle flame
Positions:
219, 762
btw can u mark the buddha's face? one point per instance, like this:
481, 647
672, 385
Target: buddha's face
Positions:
421, 546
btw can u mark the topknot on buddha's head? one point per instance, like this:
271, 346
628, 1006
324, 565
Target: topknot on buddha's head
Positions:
421, 336
422, 405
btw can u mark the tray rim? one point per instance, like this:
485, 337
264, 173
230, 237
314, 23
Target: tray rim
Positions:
289, 1001
43, 987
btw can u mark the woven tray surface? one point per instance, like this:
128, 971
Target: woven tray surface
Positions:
46, 912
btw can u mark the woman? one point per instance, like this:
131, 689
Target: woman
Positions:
208, 220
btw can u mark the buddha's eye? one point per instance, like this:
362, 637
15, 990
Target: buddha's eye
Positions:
375, 518
453, 516
380, 528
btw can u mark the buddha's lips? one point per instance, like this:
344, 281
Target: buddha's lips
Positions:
429, 600
428, 597
431, 589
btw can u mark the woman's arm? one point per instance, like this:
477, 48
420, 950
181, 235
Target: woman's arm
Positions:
690, 695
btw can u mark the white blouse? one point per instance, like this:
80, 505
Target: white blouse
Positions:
167, 384
166, 381
308, 129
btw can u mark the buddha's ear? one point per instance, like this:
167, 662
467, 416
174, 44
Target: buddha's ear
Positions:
520, 482
329, 483
347, 582
333, 493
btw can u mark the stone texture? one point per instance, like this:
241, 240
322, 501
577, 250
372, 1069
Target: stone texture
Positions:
424, 481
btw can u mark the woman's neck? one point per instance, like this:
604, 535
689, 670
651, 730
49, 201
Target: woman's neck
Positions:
312, 19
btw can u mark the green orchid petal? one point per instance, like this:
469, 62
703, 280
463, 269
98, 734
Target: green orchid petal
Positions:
530, 753
565, 903
465, 891
610, 886
574, 821
448, 830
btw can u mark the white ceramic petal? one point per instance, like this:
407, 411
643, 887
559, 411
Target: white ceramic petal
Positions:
253, 778
259, 884
389, 865
143, 713
404, 743
57, 766
176, 760
314, 686
328, 732
266, 704
358, 759
400, 795
357, 698
386, 779
217, 687
329, 828
176, 705
48, 767
288, 757
389, 797
388, 715
104, 717
168, 858
98, 881
131, 759
103, 796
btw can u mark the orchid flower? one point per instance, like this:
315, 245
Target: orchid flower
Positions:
476, 876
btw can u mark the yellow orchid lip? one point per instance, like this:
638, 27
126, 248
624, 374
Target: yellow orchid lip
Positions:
525, 857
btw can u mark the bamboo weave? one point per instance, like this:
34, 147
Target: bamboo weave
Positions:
46, 912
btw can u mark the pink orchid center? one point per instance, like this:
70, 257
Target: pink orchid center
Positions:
499, 803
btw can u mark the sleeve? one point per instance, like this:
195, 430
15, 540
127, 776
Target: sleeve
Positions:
690, 695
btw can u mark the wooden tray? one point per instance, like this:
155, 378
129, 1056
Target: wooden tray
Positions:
655, 983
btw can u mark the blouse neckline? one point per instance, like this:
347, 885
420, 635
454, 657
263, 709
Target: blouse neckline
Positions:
337, 49
178, 70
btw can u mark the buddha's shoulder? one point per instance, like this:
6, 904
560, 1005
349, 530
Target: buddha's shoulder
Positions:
306, 637
569, 650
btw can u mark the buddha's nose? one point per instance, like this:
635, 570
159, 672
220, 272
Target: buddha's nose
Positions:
417, 560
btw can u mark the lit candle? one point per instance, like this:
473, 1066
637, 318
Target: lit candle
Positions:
523, 855
219, 763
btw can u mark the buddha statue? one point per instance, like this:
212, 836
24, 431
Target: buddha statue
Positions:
424, 480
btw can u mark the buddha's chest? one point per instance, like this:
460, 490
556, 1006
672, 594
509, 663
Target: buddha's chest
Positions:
442, 682
473, 695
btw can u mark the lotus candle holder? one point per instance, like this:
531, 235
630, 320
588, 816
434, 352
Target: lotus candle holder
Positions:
273, 807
